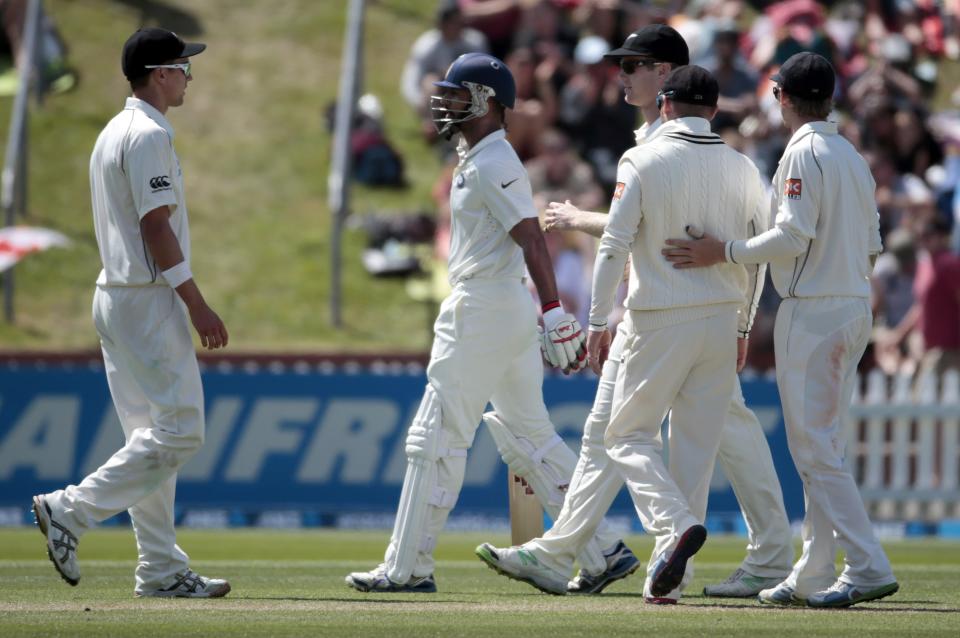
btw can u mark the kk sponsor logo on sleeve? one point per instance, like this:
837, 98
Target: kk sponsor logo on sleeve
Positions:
793, 189
159, 183
618, 191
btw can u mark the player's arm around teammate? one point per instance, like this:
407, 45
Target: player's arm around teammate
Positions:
821, 253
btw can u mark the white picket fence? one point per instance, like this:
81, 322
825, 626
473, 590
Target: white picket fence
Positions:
903, 446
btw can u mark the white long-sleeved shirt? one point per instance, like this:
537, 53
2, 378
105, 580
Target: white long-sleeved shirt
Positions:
686, 175
827, 224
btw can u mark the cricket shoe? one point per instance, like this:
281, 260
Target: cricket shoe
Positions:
669, 570
842, 594
377, 581
521, 564
621, 562
61, 543
740, 584
783, 595
189, 584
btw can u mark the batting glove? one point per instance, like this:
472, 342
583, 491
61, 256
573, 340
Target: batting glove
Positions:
564, 341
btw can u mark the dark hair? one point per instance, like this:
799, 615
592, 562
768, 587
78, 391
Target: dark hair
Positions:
685, 109
819, 109
140, 82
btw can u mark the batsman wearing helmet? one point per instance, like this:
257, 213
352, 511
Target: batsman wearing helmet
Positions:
646, 59
486, 347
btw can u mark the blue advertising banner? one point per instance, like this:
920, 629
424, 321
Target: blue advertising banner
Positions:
327, 444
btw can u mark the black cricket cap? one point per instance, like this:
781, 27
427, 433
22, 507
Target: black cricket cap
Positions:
807, 76
657, 41
154, 46
691, 84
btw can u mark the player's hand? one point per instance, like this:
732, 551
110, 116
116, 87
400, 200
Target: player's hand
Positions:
705, 250
549, 352
212, 331
566, 340
743, 343
598, 349
560, 216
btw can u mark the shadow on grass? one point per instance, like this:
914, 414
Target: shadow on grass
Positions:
882, 606
365, 601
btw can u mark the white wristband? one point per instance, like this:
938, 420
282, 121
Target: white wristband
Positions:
178, 274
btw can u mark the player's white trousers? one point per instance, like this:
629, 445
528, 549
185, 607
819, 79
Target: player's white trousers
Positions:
688, 369
744, 456
485, 349
154, 380
819, 342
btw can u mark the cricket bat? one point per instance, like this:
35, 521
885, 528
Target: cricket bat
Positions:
526, 515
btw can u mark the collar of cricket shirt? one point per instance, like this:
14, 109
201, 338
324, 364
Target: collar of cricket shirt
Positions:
151, 112
643, 133
695, 126
497, 135
821, 126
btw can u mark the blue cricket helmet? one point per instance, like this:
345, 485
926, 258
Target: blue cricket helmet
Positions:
484, 76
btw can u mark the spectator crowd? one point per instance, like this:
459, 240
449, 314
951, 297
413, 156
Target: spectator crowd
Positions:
571, 125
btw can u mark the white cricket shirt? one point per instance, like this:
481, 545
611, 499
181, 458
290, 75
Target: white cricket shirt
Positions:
827, 224
133, 170
490, 194
683, 174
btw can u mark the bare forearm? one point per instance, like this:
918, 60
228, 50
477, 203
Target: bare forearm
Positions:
528, 236
541, 270
592, 223
566, 216
165, 250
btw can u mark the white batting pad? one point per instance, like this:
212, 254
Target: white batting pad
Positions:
425, 500
547, 467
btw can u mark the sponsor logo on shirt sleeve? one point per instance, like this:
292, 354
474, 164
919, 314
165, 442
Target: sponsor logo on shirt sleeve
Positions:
793, 188
160, 183
618, 191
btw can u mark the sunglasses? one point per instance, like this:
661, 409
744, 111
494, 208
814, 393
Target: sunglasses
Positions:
776, 93
629, 66
662, 95
183, 66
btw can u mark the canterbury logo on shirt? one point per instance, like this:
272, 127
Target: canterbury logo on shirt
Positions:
793, 189
159, 183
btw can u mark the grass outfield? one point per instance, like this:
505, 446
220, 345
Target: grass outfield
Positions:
291, 583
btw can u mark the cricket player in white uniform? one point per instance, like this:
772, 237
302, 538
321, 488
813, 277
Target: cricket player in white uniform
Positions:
486, 347
646, 59
680, 334
140, 219
820, 252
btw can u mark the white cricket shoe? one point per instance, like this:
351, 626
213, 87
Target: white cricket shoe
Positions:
61, 543
189, 584
378, 582
741, 584
521, 564
842, 594
783, 595
621, 562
